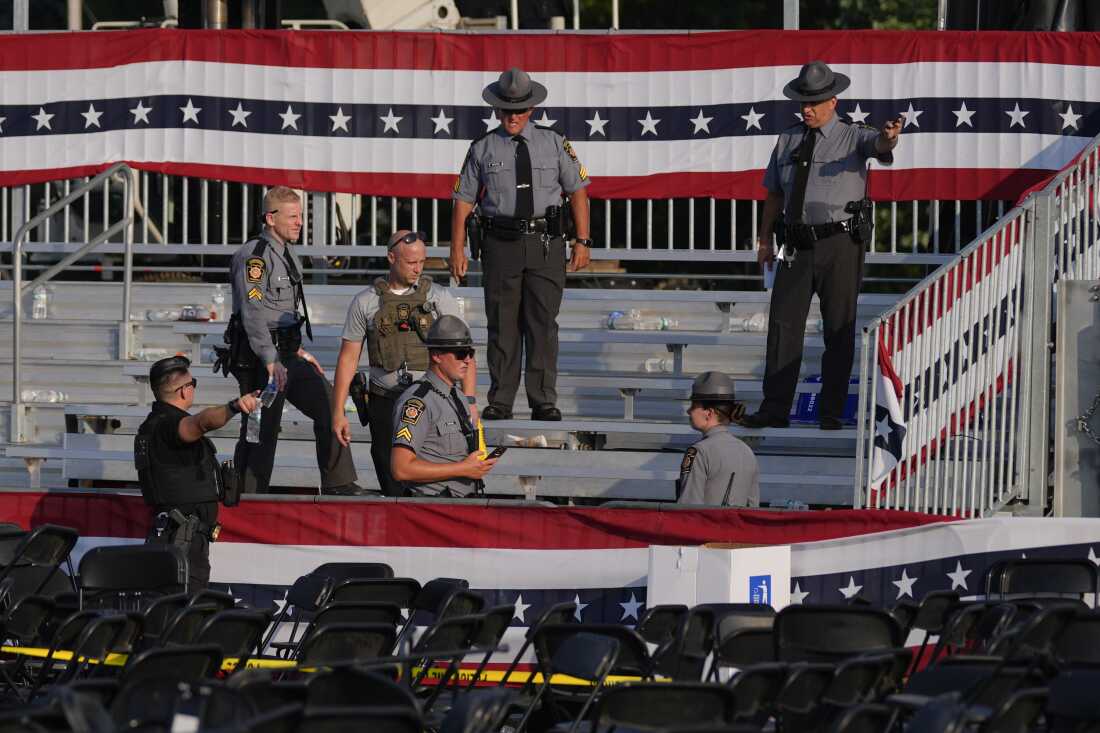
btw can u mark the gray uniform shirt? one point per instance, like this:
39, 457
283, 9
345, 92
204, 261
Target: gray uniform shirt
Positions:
838, 173
491, 162
429, 424
359, 324
706, 468
263, 293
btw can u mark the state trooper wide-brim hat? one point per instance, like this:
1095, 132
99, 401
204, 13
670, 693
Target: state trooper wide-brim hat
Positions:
166, 365
816, 82
448, 332
514, 90
712, 387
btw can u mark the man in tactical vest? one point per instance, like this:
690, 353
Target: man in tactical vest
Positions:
394, 316
435, 446
265, 344
178, 466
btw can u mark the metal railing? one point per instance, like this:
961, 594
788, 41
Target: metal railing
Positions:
174, 213
972, 346
122, 226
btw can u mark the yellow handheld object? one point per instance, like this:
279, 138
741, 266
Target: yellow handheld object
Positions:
481, 447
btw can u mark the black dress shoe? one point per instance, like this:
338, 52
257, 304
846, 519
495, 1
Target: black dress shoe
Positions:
547, 413
831, 423
352, 489
492, 412
760, 420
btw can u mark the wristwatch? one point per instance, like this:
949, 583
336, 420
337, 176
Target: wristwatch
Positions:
585, 242
471, 399
234, 407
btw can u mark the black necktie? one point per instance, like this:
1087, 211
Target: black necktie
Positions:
801, 176
525, 196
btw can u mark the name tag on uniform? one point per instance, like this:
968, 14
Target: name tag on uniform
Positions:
496, 164
282, 278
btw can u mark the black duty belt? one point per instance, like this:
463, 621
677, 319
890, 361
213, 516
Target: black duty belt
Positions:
514, 226
802, 236
391, 394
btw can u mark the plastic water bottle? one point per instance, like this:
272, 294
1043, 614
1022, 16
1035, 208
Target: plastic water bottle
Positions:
217, 303
252, 432
43, 395
40, 306
658, 365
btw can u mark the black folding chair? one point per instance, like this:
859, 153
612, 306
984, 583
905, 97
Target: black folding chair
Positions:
97, 638
448, 641
756, 690
577, 653
1044, 579
830, 633
236, 633
153, 703
342, 613
282, 719
1072, 703
336, 645
306, 595
1078, 641
35, 558
866, 718
184, 626
347, 686
660, 624
160, 612
357, 719
742, 635
658, 705
480, 711
341, 571
798, 702
494, 624
207, 596
127, 577
560, 613
684, 657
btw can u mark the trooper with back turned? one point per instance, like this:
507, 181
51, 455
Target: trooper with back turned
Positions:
393, 316
719, 470
435, 445
515, 175
181, 479
817, 179
265, 345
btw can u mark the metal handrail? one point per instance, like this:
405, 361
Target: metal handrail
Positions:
18, 421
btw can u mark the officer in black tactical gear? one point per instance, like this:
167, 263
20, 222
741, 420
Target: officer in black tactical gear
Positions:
435, 446
265, 344
178, 466
719, 470
393, 316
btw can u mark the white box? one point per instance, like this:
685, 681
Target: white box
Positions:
719, 574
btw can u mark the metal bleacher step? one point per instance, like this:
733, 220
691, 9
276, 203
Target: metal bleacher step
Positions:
638, 475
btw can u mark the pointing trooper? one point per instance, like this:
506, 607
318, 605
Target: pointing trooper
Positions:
435, 446
710, 465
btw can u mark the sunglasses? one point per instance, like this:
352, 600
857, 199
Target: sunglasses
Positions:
193, 383
460, 354
410, 238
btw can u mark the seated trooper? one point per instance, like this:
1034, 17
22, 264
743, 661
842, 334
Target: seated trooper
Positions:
435, 446
719, 470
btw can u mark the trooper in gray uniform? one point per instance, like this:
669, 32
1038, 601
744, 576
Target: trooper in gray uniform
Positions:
719, 470
435, 446
265, 343
516, 174
393, 316
817, 177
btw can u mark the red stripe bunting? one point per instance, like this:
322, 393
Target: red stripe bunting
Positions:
454, 525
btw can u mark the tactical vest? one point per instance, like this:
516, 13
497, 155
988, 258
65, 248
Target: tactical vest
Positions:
400, 327
175, 484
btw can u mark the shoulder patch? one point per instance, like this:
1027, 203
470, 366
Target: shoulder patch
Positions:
404, 434
255, 294
412, 410
254, 269
689, 459
569, 150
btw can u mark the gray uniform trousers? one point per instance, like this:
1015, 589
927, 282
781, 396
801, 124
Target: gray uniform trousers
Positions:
523, 289
312, 394
380, 416
834, 270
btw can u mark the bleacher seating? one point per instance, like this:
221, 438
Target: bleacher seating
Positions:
622, 392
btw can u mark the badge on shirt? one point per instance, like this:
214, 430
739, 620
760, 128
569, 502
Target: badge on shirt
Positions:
404, 434
255, 294
412, 411
689, 458
254, 269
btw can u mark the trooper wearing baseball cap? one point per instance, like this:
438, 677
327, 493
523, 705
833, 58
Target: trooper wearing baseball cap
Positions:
817, 180
435, 445
178, 466
719, 470
515, 176
393, 317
